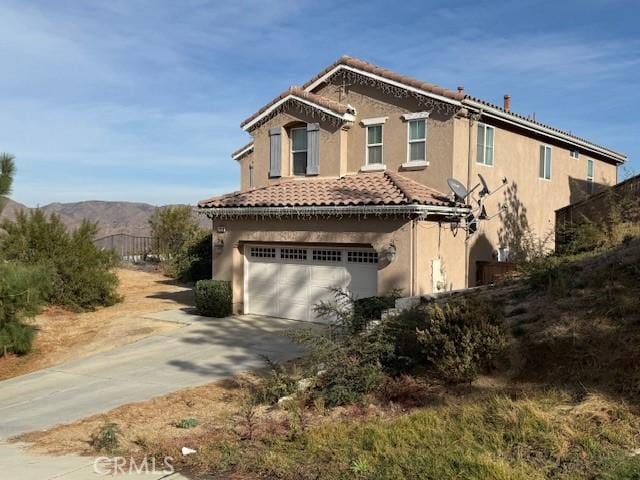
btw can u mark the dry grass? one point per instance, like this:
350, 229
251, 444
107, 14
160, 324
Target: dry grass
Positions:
64, 335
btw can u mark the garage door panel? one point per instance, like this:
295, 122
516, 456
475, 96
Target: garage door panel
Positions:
326, 275
320, 294
263, 305
293, 274
290, 287
297, 311
262, 277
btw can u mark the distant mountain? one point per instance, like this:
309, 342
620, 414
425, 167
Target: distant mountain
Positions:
11, 209
112, 217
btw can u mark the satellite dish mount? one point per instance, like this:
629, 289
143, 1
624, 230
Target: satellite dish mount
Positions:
478, 213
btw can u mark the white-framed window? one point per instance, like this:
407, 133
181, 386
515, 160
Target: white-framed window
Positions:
374, 144
263, 252
545, 162
360, 256
590, 170
417, 137
251, 180
299, 150
486, 135
322, 255
575, 154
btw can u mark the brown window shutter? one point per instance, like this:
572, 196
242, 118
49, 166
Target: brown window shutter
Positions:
313, 149
275, 158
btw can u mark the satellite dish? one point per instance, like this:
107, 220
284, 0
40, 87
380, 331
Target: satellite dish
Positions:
485, 188
459, 190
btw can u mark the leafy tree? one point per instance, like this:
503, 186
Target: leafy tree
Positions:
7, 171
193, 260
82, 276
173, 227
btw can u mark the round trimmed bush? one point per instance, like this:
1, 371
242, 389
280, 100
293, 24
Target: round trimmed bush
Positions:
213, 298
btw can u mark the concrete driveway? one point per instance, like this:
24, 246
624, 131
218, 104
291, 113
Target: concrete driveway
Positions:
202, 351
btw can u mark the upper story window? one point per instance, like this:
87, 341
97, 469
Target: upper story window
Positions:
590, 174
251, 180
374, 144
299, 151
574, 154
485, 144
417, 140
545, 162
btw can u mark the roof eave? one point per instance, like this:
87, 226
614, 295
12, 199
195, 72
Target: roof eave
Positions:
323, 78
236, 156
422, 210
617, 157
347, 117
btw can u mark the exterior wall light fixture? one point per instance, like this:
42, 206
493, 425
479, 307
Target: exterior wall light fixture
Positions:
391, 252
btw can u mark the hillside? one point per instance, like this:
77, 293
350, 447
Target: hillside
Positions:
112, 217
11, 209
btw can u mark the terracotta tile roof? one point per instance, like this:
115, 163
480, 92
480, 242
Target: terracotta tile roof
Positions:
241, 149
544, 125
352, 190
296, 91
389, 75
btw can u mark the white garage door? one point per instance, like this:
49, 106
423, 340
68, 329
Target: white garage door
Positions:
287, 281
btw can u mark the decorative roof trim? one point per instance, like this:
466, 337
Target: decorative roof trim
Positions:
379, 78
424, 211
347, 117
242, 151
499, 114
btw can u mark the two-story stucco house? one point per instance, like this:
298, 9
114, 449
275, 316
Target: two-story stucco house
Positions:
345, 185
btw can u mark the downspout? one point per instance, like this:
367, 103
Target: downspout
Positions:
413, 258
466, 235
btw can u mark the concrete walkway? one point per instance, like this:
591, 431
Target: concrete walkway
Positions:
202, 351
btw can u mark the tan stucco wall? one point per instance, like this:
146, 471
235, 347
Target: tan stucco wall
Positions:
371, 103
228, 264
244, 163
516, 157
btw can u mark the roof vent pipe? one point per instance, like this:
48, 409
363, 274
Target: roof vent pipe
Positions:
507, 103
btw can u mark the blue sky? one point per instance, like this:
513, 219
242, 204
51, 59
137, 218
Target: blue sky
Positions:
141, 100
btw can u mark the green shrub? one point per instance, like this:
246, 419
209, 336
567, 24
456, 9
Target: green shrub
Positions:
276, 384
187, 423
213, 298
192, 262
172, 227
349, 314
107, 438
349, 365
461, 338
81, 274
16, 337
23, 291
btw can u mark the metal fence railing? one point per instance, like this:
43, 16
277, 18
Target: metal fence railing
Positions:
129, 247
